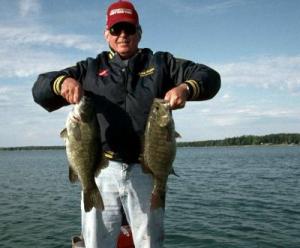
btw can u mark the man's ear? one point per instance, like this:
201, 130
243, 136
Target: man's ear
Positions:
106, 35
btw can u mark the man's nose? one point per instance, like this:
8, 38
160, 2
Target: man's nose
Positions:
123, 33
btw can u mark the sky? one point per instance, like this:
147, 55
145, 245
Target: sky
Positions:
253, 44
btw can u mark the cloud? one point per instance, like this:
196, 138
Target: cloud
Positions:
231, 116
36, 36
193, 7
28, 62
27, 120
281, 73
248, 114
220, 5
29, 50
29, 7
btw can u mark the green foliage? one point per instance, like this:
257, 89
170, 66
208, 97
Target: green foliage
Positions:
32, 148
245, 140
271, 139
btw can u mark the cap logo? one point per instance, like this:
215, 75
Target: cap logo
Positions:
120, 11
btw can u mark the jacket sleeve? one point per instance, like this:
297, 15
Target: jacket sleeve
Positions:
43, 92
203, 82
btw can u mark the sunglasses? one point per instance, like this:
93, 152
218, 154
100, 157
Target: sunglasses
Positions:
117, 29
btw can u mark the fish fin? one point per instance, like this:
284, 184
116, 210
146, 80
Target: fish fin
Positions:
172, 172
177, 135
72, 175
144, 164
64, 133
92, 198
169, 134
77, 132
101, 161
101, 164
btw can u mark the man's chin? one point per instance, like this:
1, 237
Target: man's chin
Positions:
125, 53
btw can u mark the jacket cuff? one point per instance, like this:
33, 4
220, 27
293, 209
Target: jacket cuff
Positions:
58, 83
194, 89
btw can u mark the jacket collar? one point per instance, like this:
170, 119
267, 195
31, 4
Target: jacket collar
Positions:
133, 62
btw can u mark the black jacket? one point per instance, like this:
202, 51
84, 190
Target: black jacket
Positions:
124, 91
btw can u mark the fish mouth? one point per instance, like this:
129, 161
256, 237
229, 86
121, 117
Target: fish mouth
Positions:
167, 104
75, 118
123, 43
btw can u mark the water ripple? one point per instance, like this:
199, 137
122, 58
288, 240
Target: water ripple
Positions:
224, 197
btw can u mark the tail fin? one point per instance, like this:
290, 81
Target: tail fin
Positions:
92, 198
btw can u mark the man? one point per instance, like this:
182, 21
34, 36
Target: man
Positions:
123, 83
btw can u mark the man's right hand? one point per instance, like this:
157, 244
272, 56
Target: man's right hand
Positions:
71, 90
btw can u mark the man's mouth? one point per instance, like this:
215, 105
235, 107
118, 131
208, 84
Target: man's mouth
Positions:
123, 42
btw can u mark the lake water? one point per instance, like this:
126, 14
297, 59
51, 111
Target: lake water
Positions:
224, 197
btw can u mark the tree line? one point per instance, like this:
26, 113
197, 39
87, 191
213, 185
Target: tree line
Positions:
271, 139
21, 148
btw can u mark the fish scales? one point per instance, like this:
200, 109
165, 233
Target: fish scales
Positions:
83, 148
159, 148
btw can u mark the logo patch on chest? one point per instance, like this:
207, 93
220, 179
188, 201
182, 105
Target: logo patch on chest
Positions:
103, 72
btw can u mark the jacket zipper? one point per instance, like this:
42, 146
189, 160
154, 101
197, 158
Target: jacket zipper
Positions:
125, 75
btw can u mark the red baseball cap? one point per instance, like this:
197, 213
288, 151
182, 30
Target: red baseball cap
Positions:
121, 11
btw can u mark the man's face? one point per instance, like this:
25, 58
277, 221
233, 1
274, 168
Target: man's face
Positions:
123, 39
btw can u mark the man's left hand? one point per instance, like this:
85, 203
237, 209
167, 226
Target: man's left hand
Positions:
177, 96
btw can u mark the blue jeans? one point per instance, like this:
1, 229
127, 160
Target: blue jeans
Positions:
127, 186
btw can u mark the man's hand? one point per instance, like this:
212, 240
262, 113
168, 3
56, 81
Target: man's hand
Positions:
71, 90
177, 96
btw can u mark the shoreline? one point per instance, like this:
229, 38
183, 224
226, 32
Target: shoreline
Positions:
279, 139
36, 148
